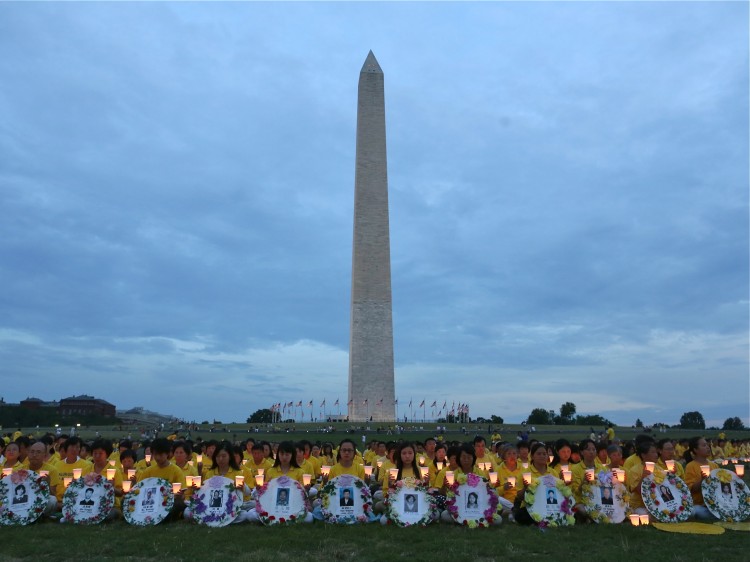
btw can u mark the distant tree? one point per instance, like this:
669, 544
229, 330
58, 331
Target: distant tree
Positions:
638, 423
567, 411
733, 423
263, 415
540, 416
692, 420
593, 419
496, 419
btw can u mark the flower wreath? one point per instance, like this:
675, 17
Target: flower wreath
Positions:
216, 518
129, 502
70, 499
329, 490
37, 485
560, 518
270, 519
588, 499
394, 493
712, 485
654, 503
490, 515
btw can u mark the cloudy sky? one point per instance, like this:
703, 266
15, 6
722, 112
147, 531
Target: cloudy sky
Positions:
568, 189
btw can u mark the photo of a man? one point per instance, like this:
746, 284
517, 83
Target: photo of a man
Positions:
607, 498
346, 499
551, 497
88, 497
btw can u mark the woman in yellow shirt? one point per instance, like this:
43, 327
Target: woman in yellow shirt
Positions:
538, 468
345, 462
647, 452
697, 456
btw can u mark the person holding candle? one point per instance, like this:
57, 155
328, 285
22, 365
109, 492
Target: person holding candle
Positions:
614, 452
327, 456
70, 462
581, 472
647, 453
36, 454
537, 468
101, 449
285, 464
697, 457
560, 457
345, 462
482, 456
257, 462
666, 451
181, 457
509, 478
161, 467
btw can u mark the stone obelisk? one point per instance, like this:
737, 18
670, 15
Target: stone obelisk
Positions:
371, 381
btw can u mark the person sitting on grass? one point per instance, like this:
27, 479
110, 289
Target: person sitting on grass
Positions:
161, 467
70, 461
537, 468
697, 456
36, 454
101, 449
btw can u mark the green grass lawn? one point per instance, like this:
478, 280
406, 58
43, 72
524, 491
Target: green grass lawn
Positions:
373, 542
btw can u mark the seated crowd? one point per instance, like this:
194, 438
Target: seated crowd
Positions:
433, 462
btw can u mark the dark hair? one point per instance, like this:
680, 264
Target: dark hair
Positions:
692, 446
72, 442
453, 451
468, 449
286, 447
127, 443
338, 452
229, 448
559, 444
128, 453
161, 445
184, 445
257, 447
644, 447
103, 444
23, 440
479, 439
430, 439
400, 463
523, 445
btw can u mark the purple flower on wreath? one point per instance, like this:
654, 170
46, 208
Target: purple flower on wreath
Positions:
565, 507
473, 480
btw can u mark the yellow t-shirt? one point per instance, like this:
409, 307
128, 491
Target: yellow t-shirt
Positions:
293, 473
355, 470
65, 470
693, 476
503, 473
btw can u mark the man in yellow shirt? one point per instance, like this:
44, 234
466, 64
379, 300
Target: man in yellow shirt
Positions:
480, 449
161, 467
70, 461
37, 453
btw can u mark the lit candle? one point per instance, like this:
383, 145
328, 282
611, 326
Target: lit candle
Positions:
148, 457
527, 478
493, 478
512, 481
567, 476
7, 471
565, 467
440, 465
112, 462
77, 473
524, 465
189, 481
176, 487
325, 470
239, 480
380, 463
197, 481
131, 473
66, 481
421, 461
650, 467
551, 458
126, 485
644, 519
740, 470
725, 462
670, 465
258, 479
393, 473
449, 477
368, 471
620, 475
635, 519
199, 458
262, 471
589, 474
705, 470
306, 479
244, 461
110, 474
191, 463
424, 471
45, 473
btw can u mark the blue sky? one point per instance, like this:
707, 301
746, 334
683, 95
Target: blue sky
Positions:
568, 190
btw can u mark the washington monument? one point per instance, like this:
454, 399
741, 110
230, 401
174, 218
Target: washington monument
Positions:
371, 382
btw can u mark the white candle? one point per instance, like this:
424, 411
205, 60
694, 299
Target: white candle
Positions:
620, 474
705, 470
440, 465
239, 480
197, 481
325, 470
644, 519
112, 462
110, 474
493, 478
126, 485
740, 470
199, 458
368, 471
670, 465
393, 473
524, 465
262, 471
421, 461
7, 471
131, 473
527, 478
380, 463
176, 487
590, 474
77, 473
66, 481
148, 457
567, 476
449, 477
258, 479
551, 458
512, 481
424, 471
650, 467
306, 479
189, 481
635, 519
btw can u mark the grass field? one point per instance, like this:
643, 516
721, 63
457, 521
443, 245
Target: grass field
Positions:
373, 542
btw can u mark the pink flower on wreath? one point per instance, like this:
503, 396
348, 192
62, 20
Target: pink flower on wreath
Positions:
18, 476
473, 480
